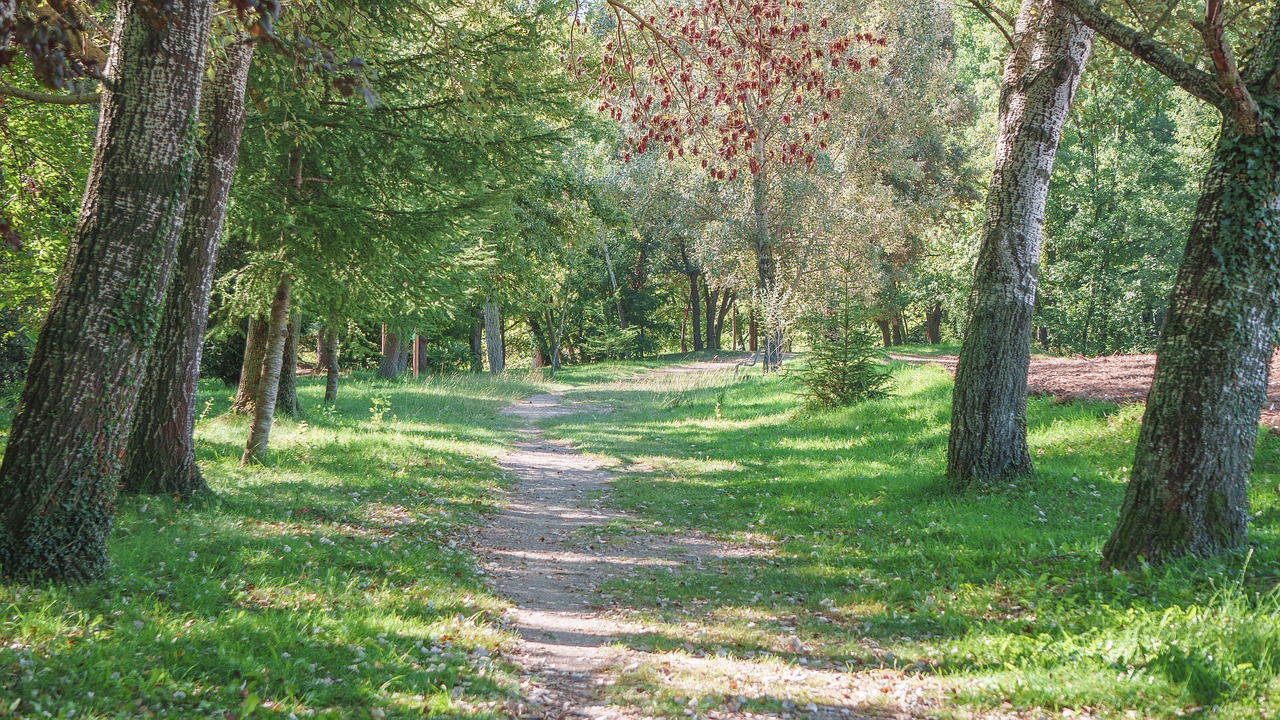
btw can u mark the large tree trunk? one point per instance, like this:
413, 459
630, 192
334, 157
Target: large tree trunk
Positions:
541, 347
493, 337
696, 304
1187, 493
886, 333
161, 453
331, 365
62, 466
989, 404
264, 406
287, 394
255, 348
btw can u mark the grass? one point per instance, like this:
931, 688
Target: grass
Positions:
874, 563
334, 582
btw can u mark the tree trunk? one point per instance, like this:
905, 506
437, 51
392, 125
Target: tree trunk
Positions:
477, 342
753, 333
331, 365
264, 406
160, 459
696, 304
255, 348
322, 350
1187, 490
493, 338
63, 462
933, 323
1044, 338
287, 394
710, 300
613, 282
766, 264
886, 334
393, 354
715, 341
989, 404
899, 337
541, 348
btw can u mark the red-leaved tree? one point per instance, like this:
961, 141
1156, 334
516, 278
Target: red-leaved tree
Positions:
740, 85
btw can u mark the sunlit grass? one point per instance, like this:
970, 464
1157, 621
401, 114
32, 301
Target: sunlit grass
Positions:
996, 593
333, 582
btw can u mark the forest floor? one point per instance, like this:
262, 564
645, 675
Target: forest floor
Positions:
661, 539
1107, 378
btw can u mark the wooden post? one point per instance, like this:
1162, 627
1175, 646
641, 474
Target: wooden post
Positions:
417, 355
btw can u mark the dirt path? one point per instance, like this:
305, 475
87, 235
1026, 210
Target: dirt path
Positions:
546, 554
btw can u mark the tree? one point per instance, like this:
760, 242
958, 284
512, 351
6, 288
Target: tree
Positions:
742, 84
161, 453
1187, 489
63, 461
989, 403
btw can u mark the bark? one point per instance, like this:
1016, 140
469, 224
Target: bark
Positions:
613, 282
63, 462
160, 459
1187, 491
933, 323
264, 406
493, 337
394, 356
886, 333
322, 350
696, 304
287, 394
899, 336
477, 343
541, 348
989, 403
766, 264
331, 365
753, 333
255, 348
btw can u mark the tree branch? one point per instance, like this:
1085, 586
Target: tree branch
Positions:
50, 98
987, 12
1185, 75
1244, 110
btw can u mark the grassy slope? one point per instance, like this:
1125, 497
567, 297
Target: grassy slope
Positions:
997, 594
325, 584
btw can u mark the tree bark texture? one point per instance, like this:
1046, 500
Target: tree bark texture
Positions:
1187, 490
331, 365
161, 453
696, 304
62, 466
493, 337
264, 406
395, 354
989, 404
255, 348
933, 323
287, 394
477, 342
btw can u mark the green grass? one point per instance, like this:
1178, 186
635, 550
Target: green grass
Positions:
874, 563
334, 582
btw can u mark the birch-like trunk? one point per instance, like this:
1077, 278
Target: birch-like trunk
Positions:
63, 462
989, 405
161, 453
264, 406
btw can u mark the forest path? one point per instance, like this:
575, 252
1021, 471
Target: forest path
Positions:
545, 553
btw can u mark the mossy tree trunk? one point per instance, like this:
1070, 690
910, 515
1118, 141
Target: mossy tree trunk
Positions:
255, 348
1187, 491
989, 404
264, 406
161, 453
63, 462
287, 394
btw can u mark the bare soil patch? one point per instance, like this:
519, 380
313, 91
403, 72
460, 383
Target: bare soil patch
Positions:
1109, 378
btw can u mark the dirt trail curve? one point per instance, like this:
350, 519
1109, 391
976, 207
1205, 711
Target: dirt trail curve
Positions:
542, 555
